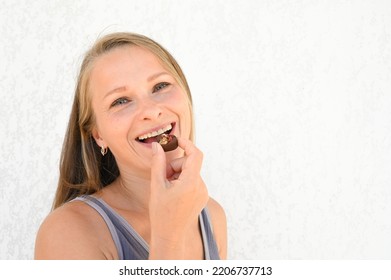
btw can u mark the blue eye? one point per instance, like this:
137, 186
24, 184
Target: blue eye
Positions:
160, 86
119, 101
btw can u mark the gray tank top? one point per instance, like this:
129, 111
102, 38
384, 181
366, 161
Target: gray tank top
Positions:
130, 245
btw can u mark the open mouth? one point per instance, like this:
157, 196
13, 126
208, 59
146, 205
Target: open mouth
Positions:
152, 136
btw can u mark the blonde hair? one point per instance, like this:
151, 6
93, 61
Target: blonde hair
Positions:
83, 170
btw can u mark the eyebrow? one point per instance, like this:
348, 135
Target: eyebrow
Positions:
157, 75
118, 89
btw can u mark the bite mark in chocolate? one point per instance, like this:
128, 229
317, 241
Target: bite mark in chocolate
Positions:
167, 141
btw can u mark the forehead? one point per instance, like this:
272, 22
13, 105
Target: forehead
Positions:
123, 65
127, 53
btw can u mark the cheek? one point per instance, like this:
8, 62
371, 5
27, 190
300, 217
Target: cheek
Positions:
184, 113
111, 127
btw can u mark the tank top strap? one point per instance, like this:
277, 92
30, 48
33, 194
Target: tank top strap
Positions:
130, 245
210, 247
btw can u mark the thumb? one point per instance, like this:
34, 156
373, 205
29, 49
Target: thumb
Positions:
158, 166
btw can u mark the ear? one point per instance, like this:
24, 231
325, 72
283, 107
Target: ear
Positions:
98, 138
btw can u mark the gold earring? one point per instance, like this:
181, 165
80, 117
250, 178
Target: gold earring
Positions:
103, 150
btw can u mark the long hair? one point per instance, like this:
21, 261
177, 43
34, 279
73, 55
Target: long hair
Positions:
83, 170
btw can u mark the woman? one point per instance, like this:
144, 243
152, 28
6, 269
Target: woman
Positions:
120, 196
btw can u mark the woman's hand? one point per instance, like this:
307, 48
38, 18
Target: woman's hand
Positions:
178, 194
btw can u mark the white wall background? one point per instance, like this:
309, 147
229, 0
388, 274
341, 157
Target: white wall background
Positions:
292, 103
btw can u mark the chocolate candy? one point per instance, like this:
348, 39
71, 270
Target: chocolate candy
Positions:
167, 141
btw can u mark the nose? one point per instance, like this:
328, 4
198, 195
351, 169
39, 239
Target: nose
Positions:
149, 109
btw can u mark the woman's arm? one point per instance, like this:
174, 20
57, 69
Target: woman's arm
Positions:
175, 204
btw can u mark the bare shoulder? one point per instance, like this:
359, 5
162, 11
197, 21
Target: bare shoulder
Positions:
216, 210
72, 231
219, 223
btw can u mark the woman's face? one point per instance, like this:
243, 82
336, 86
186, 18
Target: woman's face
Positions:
133, 98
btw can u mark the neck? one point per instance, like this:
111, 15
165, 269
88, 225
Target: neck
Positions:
132, 192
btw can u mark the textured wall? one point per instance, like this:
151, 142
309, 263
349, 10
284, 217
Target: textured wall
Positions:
292, 103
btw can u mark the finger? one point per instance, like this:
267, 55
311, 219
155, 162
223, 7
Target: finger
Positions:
193, 158
187, 145
158, 166
174, 168
175, 165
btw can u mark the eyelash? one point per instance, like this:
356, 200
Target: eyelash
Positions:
124, 100
119, 101
160, 86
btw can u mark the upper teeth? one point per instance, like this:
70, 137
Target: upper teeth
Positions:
155, 133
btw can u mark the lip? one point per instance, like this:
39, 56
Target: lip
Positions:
172, 132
